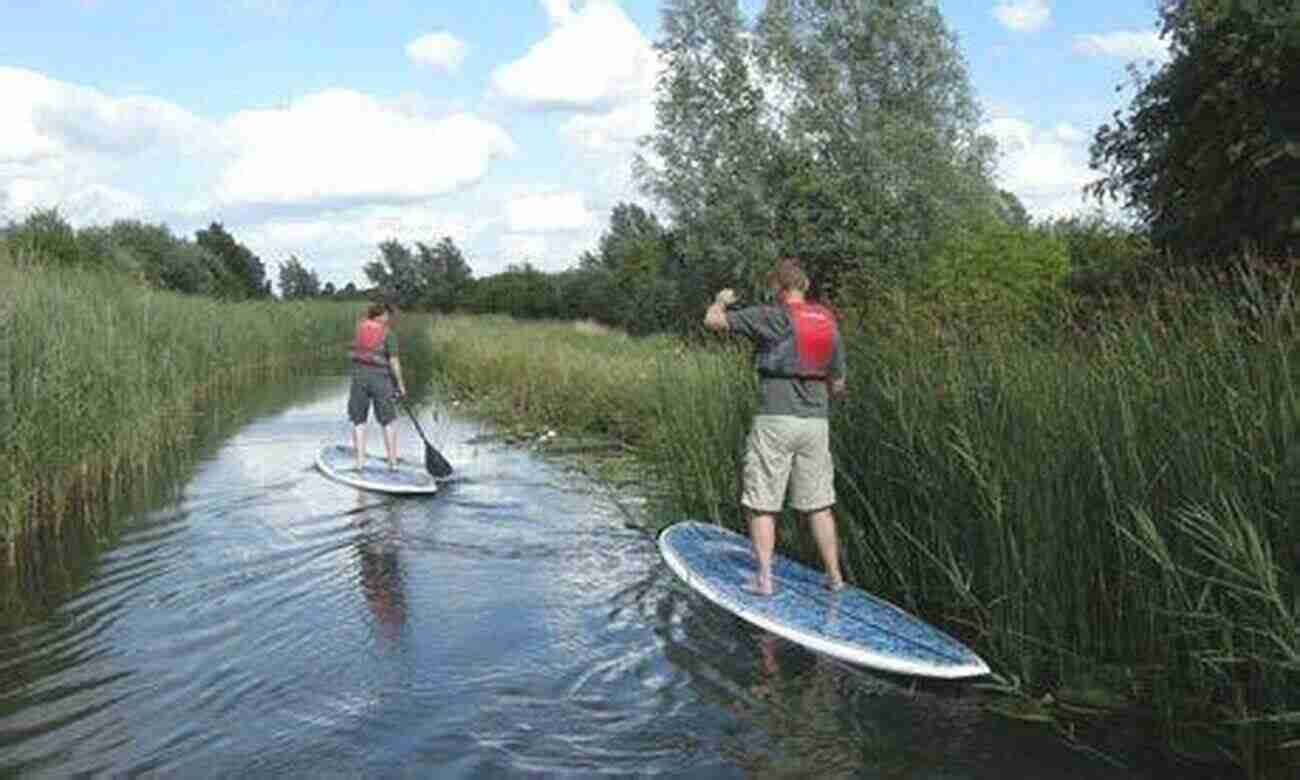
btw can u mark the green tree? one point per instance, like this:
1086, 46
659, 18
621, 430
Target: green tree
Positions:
297, 281
46, 237
245, 274
100, 250
396, 275
842, 131
880, 150
1207, 155
631, 269
521, 290
165, 260
446, 272
988, 273
710, 139
432, 277
1010, 210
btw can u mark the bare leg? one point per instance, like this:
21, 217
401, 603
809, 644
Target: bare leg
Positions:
822, 523
390, 444
359, 444
762, 534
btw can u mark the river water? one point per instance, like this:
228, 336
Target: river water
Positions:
257, 619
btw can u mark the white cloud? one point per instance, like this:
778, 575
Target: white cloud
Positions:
439, 50
1046, 169
341, 146
592, 59
62, 145
1023, 15
43, 117
614, 131
548, 212
1068, 133
521, 247
1125, 45
558, 11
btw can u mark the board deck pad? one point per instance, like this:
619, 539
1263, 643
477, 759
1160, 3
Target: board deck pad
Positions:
848, 624
339, 462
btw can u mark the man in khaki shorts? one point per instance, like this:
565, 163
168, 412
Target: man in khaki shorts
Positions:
800, 363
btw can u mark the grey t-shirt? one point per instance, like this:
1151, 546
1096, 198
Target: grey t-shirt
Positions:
766, 326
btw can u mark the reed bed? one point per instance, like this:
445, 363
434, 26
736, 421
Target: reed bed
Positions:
1108, 518
99, 378
550, 374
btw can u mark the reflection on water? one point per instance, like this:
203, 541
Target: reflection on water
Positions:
261, 620
380, 570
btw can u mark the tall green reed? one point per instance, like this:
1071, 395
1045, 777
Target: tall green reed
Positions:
1106, 511
101, 377
549, 374
1058, 502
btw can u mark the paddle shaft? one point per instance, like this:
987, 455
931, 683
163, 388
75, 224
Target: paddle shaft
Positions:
434, 462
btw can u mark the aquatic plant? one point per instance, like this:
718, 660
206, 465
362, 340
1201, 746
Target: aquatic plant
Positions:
99, 377
1106, 508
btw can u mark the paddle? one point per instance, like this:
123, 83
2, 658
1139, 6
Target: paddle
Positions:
434, 463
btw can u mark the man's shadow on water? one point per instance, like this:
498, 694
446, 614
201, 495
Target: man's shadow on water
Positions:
380, 573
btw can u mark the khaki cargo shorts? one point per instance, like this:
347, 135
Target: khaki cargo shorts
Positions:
786, 451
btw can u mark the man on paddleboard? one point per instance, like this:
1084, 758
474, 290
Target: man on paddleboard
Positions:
801, 366
375, 367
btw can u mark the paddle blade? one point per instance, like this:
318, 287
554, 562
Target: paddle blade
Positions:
434, 463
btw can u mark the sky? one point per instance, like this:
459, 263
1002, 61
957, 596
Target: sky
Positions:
320, 128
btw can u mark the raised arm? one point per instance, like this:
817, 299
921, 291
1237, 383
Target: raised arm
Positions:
716, 316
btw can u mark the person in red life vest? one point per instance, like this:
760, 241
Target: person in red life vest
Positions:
375, 367
801, 366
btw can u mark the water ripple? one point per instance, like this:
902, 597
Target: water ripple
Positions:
267, 621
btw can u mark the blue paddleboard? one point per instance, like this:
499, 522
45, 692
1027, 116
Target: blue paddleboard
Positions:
849, 624
339, 463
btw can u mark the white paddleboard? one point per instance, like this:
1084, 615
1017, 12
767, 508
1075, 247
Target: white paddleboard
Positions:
339, 463
849, 624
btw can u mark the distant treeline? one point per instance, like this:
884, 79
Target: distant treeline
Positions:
213, 263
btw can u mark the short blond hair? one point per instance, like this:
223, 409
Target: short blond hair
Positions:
788, 275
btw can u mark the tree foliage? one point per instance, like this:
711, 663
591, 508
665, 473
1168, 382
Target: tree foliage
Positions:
1207, 155
989, 273
842, 131
448, 272
297, 281
244, 273
632, 276
431, 277
521, 290
47, 235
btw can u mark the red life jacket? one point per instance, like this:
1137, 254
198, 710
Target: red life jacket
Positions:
368, 344
806, 352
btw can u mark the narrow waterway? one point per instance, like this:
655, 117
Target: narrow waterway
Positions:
261, 620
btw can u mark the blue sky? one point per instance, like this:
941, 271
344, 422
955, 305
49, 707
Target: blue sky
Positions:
320, 127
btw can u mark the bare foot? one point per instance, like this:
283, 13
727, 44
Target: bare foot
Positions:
834, 586
758, 587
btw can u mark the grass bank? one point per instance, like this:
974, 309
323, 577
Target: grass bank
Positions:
99, 378
1108, 520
